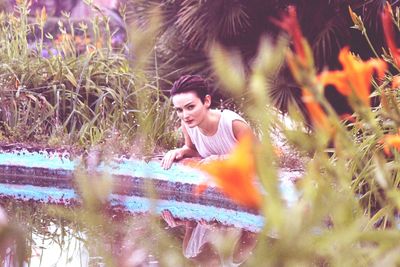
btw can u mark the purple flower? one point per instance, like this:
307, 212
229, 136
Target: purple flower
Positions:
50, 52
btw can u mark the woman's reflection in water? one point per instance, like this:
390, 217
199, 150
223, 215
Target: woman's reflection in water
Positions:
200, 238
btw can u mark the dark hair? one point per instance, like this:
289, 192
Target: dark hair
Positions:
190, 83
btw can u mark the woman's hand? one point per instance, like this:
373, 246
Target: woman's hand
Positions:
170, 157
170, 220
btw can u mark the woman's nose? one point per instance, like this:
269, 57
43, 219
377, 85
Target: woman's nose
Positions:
185, 114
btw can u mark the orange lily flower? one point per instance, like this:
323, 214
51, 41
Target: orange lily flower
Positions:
290, 24
390, 140
236, 174
396, 82
317, 114
387, 25
63, 37
355, 78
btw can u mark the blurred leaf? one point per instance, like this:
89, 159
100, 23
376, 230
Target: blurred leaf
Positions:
229, 68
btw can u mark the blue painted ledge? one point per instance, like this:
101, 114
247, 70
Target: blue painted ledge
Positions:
49, 177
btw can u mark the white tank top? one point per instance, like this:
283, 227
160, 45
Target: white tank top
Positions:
222, 142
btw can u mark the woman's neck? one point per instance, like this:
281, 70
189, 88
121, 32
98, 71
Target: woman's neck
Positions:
209, 125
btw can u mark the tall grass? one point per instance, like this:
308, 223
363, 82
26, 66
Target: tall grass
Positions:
82, 91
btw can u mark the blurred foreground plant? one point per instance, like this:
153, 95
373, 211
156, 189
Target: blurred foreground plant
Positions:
347, 212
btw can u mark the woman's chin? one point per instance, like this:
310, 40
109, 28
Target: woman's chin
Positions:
191, 124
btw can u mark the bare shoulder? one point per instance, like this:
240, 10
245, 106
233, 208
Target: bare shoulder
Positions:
240, 128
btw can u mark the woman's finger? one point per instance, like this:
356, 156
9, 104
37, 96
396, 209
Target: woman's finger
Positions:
172, 158
165, 163
169, 161
167, 216
169, 158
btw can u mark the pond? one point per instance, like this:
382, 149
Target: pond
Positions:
125, 212
66, 236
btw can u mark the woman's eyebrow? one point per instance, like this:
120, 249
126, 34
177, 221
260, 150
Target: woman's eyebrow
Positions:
188, 104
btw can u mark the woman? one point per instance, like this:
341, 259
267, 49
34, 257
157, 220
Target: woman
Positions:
208, 133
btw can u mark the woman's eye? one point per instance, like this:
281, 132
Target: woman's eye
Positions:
190, 107
178, 110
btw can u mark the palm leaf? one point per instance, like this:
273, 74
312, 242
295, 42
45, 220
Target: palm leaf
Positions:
202, 22
330, 38
371, 13
284, 92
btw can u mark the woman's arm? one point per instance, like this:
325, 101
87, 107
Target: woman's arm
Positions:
188, 150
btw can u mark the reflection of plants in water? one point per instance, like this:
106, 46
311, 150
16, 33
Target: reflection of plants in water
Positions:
43, 231
122, 239
12, 244
92, 232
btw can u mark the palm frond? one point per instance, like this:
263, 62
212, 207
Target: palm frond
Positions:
202, 22
284, 92
370, 12
139, 11
329, 40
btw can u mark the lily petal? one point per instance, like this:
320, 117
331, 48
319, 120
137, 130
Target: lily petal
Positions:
235, 175
355, 78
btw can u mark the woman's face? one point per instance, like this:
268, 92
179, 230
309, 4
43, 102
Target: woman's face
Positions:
190, 109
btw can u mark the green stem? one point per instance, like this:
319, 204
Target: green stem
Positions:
364, 32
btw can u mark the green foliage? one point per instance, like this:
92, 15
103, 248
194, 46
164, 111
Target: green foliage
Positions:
347, 212
80, 92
